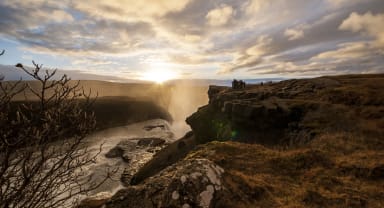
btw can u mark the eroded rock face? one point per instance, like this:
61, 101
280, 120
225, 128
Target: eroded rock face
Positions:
269, 114
188, 183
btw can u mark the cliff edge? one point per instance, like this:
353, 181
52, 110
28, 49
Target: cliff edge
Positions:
291, 112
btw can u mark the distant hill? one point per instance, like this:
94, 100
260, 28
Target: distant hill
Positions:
12, 73
119, 103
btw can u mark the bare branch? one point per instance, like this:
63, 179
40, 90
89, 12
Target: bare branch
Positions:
41, 152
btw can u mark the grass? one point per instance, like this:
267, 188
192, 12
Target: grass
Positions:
333, 171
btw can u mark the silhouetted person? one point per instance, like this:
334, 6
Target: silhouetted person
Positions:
238, 84
241, 84
235, 84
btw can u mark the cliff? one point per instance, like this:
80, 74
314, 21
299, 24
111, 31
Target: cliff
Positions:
296, 143
290, 112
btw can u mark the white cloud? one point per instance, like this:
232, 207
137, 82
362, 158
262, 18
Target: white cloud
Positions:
127, 9
254, 6
192, 38
60, 16
294, 34
220, 16
368, 23
248, 57
348, 51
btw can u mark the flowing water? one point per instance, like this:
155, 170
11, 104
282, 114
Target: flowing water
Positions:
109, 138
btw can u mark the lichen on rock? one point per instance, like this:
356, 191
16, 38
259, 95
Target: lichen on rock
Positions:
179, 185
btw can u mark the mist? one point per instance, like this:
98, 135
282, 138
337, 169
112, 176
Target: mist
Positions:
185, 99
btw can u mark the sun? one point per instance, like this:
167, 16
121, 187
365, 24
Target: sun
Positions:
159, 71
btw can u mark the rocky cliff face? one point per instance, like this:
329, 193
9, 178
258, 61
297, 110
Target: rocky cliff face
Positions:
284, 113
298, 143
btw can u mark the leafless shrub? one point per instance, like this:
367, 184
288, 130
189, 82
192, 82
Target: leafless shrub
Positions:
42, 151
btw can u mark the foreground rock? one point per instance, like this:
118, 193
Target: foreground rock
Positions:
188, 183
136, 152
95, 201
230, 174
169, 155
127, 146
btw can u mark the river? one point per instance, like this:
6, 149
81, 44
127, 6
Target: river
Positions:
131, 134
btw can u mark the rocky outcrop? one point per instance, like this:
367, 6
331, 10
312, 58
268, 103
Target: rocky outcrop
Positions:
125, 148
169, 155
292, 111
188, 183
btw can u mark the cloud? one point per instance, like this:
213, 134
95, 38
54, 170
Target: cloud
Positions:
255, 6
249, 57
52, 29
188, 59
192, 38
59, 16
355, 57
368, 24
220, 16
294, 34
204, 37
350, 51
126, 9
341, 3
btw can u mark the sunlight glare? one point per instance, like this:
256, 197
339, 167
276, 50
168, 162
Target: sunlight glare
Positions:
159, 73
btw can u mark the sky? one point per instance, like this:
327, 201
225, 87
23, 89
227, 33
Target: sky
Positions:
195, 39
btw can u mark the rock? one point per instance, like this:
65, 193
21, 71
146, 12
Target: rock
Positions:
126, 158
114, 152
121, 148
188, 183
95, 201
161, 126
209, 124
151, 142
214, 90
154, 149
261, 114
165, 157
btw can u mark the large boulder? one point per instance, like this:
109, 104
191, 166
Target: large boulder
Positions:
169, 155
124, 146
188, 183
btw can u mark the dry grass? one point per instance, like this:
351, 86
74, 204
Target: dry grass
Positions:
337, 173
